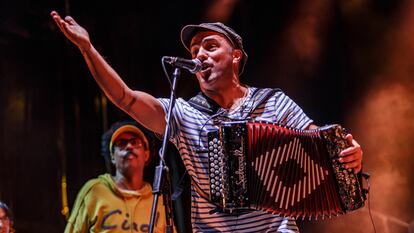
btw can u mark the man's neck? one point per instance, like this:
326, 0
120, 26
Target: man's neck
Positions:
229, 98
134, 182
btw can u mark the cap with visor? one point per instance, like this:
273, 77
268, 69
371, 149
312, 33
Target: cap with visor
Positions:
235, 39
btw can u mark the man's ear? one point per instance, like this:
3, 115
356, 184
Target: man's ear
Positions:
237, 55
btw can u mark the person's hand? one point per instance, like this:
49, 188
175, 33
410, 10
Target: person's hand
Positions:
72, 30
352, 156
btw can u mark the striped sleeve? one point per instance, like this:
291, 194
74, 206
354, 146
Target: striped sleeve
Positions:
288, 113
174, 126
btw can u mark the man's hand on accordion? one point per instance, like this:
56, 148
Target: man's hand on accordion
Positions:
352, 156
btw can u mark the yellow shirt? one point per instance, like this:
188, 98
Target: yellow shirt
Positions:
101, 207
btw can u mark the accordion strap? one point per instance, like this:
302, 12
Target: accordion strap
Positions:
206, 105
200, 191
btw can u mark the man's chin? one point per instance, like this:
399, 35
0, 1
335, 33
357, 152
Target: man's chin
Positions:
209, 83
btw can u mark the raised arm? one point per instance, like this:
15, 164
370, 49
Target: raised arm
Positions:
139, 105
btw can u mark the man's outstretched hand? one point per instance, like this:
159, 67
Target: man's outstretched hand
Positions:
72, 30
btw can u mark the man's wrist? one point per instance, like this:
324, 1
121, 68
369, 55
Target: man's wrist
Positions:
87, 48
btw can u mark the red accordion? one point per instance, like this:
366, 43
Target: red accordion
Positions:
280, 170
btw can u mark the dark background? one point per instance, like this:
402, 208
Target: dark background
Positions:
347, 62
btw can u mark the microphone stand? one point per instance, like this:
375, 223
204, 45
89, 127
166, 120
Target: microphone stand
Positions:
158, 177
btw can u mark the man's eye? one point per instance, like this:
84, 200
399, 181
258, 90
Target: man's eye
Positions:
212, 47
121, 143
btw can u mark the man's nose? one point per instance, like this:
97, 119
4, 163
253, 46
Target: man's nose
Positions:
129, 145
202, 55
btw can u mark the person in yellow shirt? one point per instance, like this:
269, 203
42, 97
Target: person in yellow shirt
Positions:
121, 202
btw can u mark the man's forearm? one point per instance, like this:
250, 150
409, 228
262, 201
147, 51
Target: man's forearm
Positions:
106, 77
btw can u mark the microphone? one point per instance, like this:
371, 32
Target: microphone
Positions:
193, 65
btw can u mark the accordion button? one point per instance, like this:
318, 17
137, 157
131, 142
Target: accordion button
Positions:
211, 159
212, 164
215, 140
210, 143
213, 186
212, 169
210, 147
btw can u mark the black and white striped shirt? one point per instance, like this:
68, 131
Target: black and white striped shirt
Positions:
189, 134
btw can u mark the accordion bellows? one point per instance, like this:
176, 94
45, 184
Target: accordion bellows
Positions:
280, 170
